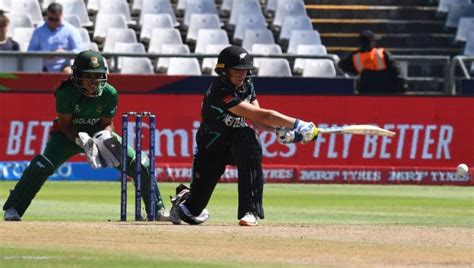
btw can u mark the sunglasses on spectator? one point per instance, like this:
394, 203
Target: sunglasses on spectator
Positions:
53, 19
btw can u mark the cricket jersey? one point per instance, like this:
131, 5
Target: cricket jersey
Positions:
86, 111
218, 123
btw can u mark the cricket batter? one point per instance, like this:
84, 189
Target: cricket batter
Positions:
85, 107
225, 138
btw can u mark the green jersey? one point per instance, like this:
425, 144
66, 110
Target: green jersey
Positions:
86, 111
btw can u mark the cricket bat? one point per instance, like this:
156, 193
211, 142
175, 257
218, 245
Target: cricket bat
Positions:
358, 130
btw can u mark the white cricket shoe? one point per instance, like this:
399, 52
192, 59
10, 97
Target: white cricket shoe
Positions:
11, 215
163, 215
249, 219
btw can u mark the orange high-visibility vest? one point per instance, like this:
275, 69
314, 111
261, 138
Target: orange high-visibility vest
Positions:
373, 60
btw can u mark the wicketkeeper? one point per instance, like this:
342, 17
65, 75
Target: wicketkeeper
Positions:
225, 138
85, 105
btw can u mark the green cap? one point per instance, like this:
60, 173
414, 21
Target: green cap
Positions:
89, 62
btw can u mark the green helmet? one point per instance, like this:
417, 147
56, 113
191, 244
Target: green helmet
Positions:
89, 62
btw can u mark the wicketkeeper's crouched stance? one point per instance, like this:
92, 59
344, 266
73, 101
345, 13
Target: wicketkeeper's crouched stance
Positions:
86, 105
225, 138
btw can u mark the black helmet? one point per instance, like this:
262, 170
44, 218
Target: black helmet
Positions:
234, 57
89, 62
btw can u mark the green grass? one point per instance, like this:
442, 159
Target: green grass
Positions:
284, 203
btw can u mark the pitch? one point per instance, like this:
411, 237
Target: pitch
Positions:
75, 224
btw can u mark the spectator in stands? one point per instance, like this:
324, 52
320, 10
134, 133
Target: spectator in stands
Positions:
378, 72
6, 43
56, 35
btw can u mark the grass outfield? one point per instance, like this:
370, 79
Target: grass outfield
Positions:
300, 219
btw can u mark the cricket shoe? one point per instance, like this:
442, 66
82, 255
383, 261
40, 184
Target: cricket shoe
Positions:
249, 219
11, 215
161, 215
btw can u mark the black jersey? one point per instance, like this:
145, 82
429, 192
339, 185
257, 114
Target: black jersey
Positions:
218, 123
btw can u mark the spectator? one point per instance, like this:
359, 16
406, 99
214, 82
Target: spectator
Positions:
6, 43
56, 35
378, 72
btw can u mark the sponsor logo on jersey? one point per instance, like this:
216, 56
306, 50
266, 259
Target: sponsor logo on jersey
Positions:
99, 109
77, 109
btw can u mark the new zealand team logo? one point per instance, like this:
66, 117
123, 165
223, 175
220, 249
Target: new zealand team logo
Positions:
242, 56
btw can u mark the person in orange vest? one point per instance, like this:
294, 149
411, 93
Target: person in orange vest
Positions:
378, 72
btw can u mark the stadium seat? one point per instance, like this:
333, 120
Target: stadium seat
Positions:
201, 21
107, 21
244, 7
84, 35
23, 36
226, 7
317, 50
469, 48
137, 6
319, 68
288, 8
274, 67
19, 20
78, 8
198, 7
466, 26
93, 6
302, 38
116, 7
443, 5
5, 5
164, 62
209, 64
294, 23
248, 22
266, 49
184, 66
272, 5
152, 21
163, 36
135, 48
260, 36
455, 13
157, 7
90, 46
27, 7
136, 65
210, 37
73, 20
115, 35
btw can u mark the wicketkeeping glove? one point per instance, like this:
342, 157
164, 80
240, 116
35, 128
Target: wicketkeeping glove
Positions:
90, 149
307, 130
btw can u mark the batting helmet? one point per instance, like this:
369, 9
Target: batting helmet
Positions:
90, 62
234, 57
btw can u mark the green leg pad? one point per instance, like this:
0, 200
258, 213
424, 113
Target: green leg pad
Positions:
145, 183
33, 178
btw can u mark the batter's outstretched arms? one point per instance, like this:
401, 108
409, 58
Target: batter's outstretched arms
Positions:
304, 132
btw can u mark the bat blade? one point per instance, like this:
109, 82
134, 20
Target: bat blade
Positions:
358, 130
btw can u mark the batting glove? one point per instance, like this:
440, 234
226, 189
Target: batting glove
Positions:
307, 130
287, 136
